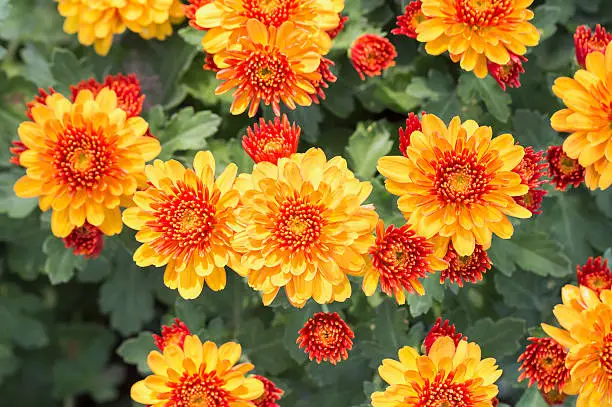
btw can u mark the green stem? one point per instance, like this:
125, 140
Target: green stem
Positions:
324, 307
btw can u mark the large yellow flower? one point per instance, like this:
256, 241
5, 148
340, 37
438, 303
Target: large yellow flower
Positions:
587, 319
83, 160
457, 183
97, 21
448, 376
184, 220
474, 31
588, 117
226, 19
197, 375
302, 227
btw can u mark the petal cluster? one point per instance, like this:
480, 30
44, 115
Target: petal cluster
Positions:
442, 329
371, 54
562, 170
326, 337
271, 140
586, 41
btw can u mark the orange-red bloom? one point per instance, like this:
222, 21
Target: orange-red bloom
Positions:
465, 268
272, 140
563, 170
334, 33
408, 22
86, 240
442, 329
127, 88
174, 334
413, 123
595, 274
371, 54
190, 12
327, 337
531, 170
508, 74
544, 363
326, 76
586, 42
270, 395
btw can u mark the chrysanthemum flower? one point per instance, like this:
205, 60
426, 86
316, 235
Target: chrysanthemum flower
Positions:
442, 329
413, 123
184, 221
543, 362
371, 54
586, 42
588, 98
83, 160
342, 21
327, 77
303, 227
270, 395
173, 334
450, 375
271, 65
465, 268
86, 240
563, 170
595, 274
408, 22
197, 375
272, 140
326, 337
399, 258
457, 183
190, 10
508, 74
476, 32
587, 321
226, 19
531, 169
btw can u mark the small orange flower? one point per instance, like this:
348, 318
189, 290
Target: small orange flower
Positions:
508, 74
173, 334
16, 150
190, 12
442, 329
326, 76
563, 170
371, 54
86, 240
531, 169
465, 268
408, 22
271, 141
327, 337
270, 395
334, 33
586, 42
544, 363
413, 123
595, 274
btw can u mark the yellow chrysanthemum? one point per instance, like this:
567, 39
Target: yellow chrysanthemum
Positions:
588, 117
226, 19
97, 21
184, 221
448, 376
197, 375
457, 183
83, 160
474, 31
587, 322
302, 227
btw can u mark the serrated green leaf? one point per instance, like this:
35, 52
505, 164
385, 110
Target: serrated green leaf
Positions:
309, 118
264, 346
61, 262
524, 290
421, 304
134, 351
546, 19
16, 308
186, 130
368, 144
295, 321
496, 100
37, 68
11, 204
499, 338
532, 398
391, 327
191, 36
67, 69
533, 129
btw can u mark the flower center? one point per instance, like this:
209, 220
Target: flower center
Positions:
567, 165
267, 72
483, 13
606, 354
299, 224
199, 390
326, 336
599, 281
273, 146
444, 393
459, 179
270, 12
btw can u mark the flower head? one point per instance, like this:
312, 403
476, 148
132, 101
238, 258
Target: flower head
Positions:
446, 376
185, 221
38, 99
586, 42
342, 21
371, 54
457, 183
408, 22
327, 77
272, 140
271, 65
563, 170
508, 74
303, 227
326, 337
595, 274
442, 329
197, 375
465, 268
399, 258
173, 334
412, 124
270, 395
475, 32
588, 98
83, 160
86, 240
543, 362
191, 9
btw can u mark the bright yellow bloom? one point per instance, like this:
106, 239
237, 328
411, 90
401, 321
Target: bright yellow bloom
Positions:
474, 31
303, 227
83, 160
226, 19
587, 322
448, 376
197, 375
97, 21
185, 221
588, 117
457, 183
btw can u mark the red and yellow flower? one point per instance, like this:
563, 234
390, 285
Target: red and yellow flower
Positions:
127, 88
413, 123
86, 240
409, 21
326, 337
531, 169
173, 334
442, 329
270, 395
508, 75
465, 268
595, 274
272, 140
586, 41
543, 362
371, 54
190, 9
562, 170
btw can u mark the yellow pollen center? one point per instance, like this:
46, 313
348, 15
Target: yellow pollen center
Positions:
480, 5
460, 181
273, 146
483, 13
445, 393
567, 165
326, 338
189, 220
81, 160
298, 225
268, 6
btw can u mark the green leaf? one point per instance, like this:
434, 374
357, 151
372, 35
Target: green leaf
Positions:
134, 351
230, 151
391, 327
67, 69
546, 19
191, 36
295, 321
533, 129
421, 304
18, 325
264, 346
11, 204
37, 68
309, 118
9, 363
524, 290
532, 398
61, 262
366, 146
499, 338
496, 100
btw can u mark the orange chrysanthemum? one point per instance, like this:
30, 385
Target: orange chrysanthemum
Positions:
327, 77
508, 75
86, 240
409, 21
474, 32
413, 123
173, 334
342, 21
83, 160
303, 227
457, 184
272, 140
450, 375
563, 170
465, 268
185, 220
531, 169
586, 42
197, 375
595, 274
371, 54
399, 258
543, 361
442, 329
191, 9
326, 337
270, 395
271, 65
127, 88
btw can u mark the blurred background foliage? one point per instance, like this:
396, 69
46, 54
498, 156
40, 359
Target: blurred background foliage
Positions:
75, 332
